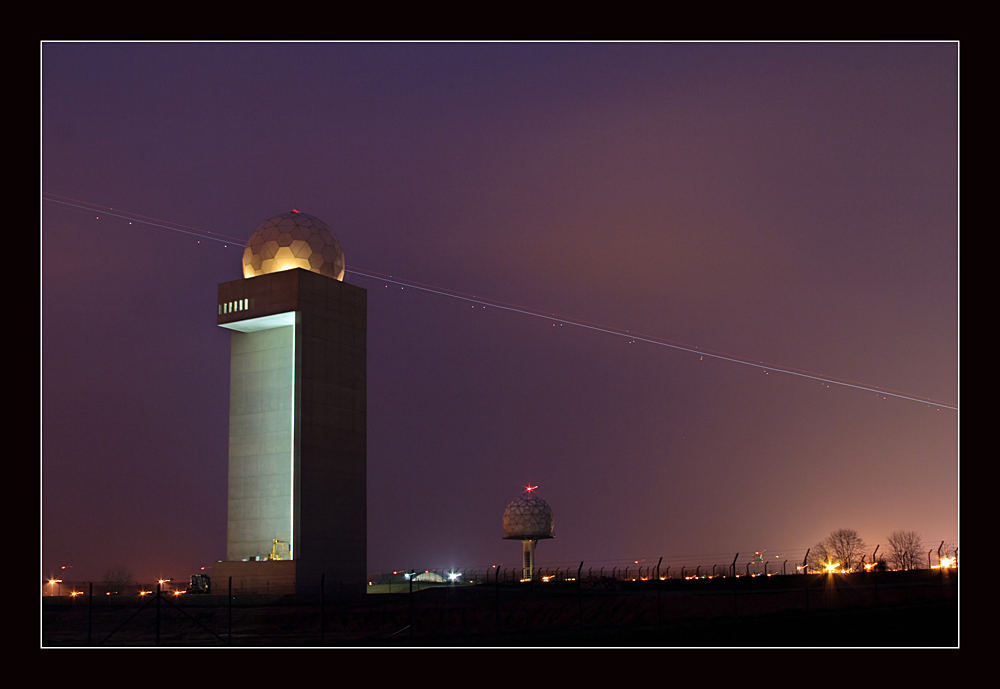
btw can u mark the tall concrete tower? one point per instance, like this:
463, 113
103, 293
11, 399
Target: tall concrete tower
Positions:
528, 518
297, 414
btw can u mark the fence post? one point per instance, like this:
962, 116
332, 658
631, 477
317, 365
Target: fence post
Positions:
322, 608
90, 612
732, 568
579, 592
158, 612
942, 571
875, 575
410, 598
659, 615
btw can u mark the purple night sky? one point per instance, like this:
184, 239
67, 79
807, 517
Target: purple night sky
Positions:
794, 204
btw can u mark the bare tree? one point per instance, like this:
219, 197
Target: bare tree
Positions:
905, 549
818, 558
843, 546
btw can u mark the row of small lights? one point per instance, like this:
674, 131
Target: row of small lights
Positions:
828, 567
143, 592
834, 567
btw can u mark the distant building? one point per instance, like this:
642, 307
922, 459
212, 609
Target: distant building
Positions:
297, 414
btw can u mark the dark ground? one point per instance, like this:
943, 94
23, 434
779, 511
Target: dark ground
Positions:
887, 610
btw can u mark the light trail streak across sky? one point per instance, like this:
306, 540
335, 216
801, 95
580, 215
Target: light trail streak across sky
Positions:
142, 219
639, 338
480, 301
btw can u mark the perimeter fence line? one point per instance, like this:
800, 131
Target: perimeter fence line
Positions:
492, 611
752, 563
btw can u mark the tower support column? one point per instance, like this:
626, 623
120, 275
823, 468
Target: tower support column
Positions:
528, 547
297, 436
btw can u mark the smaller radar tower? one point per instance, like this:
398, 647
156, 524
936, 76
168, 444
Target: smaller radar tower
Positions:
528, 519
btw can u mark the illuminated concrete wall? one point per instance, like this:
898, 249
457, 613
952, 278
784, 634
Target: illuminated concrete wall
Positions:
298, 423
261, 449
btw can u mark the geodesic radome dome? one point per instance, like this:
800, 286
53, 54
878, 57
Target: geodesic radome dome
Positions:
293, 240
528, 517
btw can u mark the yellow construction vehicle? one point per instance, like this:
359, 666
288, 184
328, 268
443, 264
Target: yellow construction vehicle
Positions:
274, 549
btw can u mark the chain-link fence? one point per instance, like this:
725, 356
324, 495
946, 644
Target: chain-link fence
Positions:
876, 608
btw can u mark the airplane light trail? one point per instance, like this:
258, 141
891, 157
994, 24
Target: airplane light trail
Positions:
767, 369
638, 338
142, 219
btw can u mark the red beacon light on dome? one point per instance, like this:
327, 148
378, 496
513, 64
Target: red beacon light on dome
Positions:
528, 489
